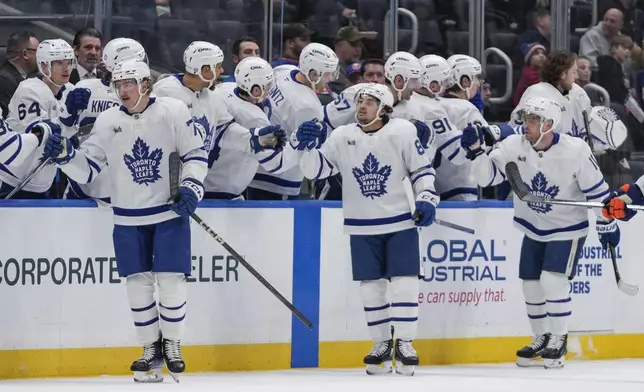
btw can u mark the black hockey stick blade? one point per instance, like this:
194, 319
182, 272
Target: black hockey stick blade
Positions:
624, 287
174, 179
523, 193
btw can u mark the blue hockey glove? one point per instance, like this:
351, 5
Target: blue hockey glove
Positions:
43, 130
424, 133
188, 198
425, 213
472, 142
616, 204
308, 136
77, 100
272, 137
608, 232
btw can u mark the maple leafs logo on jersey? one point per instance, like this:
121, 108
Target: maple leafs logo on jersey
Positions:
540, 188
372, 178
202, 127
143, 164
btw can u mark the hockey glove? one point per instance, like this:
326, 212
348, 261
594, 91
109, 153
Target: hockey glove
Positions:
425, 213
77, 100
271, 137
43, 130
472, 142
608, 233
189, 194
308, 136
616, 204
424, 133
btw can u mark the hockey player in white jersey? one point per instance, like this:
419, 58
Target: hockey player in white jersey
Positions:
38, 99
102, 98
203, 62
558, 85
234, 171
373, 156
16, 147
458, 182
556, 165
151, 237
292, 101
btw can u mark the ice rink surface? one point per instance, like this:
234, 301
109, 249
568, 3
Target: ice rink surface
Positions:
582, 376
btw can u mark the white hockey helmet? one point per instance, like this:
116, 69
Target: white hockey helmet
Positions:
51, 50
131, 69
463, 65
199, 54
606, 128
319, 58
405, 65
545, 110
435, 69
254, 71
380, 92
121, 49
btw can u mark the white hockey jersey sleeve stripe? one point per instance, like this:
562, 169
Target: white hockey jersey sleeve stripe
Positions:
599, 195
448, 142
187, 158
326, 167
592, 188
17, 148
422, 172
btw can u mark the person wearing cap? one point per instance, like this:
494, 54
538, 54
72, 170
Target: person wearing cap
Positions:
353, 74
535, 58
295, 38
348, 47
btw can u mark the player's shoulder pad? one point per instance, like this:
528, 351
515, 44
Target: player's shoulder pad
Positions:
169, 83
30, 87
170, 102
402, 127
574, 143
87, 83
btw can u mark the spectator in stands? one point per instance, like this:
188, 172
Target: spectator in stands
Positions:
373, 71
295, 38
20, 63
610, 72
87, 48
540, 31
596, 41
353, 74
633, 17
535, 58
243, 47
584, 71
348, 47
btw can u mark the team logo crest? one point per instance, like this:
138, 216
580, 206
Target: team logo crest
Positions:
371, 177
143, 163
202, 127
540, 188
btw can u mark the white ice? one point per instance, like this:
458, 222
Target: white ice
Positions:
583, 376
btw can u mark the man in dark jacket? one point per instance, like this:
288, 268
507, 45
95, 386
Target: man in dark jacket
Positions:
20, 63
610, 72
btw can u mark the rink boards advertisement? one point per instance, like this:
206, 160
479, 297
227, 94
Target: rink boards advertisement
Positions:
64, 305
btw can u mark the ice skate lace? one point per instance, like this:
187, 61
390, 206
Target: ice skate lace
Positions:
406, 349
148, 352
172, 350
556, 342
379, 349
537, 341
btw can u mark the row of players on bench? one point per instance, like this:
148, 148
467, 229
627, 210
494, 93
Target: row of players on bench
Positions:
429, 90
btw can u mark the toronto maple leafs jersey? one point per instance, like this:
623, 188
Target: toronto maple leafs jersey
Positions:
34, 101
102, 98
572, 104
136, 148
457, 182
15, 147
289, 104
372, 166
567, 170
233, 171
210, 116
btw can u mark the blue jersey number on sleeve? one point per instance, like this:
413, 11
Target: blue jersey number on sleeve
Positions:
341, 103
441, 126
34, 108
419, 147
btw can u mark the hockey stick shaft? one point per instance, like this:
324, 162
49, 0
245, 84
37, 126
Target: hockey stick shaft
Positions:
174, 178
618, 276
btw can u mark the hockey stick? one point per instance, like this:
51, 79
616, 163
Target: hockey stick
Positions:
624, 287
81, 132
174, 178
409, 191
524, 194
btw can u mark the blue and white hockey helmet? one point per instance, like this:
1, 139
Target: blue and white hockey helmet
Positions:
407, 66
131, 69
435, 69
121, 49
545, 110
606, 128
380, 92
321, 59
463, 65
51, 50
199, 54
254, 71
